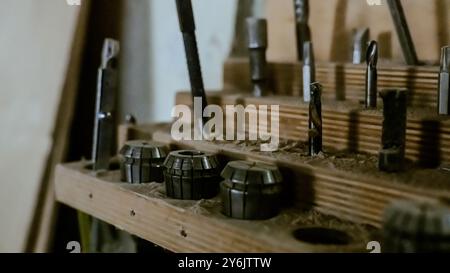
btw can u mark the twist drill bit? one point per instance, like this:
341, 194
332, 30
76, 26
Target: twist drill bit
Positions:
315, 120
309, 70
392, 154
444, 83
257, 45
301, 8
404, 36
360, 42
104, 123
187, 27
371, 75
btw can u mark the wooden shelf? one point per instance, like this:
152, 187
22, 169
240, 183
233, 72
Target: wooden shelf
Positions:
357, 192
348, 126
190, 226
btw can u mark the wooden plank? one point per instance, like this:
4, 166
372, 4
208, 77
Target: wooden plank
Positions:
340, 81
189, 226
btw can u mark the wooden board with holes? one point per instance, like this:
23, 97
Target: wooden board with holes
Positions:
347, 126
190, 226
347, 186
339, 81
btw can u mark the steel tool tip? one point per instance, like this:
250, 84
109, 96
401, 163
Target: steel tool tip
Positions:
301, 10
372, 54
257, 32
110, 52
445, 59
308, 53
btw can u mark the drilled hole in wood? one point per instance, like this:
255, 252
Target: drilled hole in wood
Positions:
91, 196
183, 233
322, 236
113, 166
132, 213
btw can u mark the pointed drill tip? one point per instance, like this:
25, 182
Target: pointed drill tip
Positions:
372, 54
111, 49
445, 59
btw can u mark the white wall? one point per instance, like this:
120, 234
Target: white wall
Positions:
215, 29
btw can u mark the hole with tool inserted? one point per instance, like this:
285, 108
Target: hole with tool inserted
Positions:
191, 153
322, 236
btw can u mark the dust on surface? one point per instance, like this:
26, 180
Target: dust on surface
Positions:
362, 164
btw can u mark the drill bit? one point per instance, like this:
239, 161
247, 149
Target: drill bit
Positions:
401, 26
371, 75
444, 83
187, 27
301, 8
257, 45
360, 42
309, 70
104, 123
315, 120
392, 154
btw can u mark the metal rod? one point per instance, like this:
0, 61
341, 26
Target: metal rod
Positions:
392, 154
104, 123
301, 8
404, 36
257, 46
371, 75
309, 70
315, 120
444, 83
187, 27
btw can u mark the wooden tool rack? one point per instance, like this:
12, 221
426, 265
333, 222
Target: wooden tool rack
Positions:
342, 189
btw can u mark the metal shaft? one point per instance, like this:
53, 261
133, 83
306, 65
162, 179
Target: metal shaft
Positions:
315, 120
187, 27
406, 42
392, 154
301, 8
309, 70
360, 42
104, 123
444, 83
371, 75
257, 46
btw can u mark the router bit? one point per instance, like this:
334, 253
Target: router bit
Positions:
444, 83
392, 154
104, 123
187, 27
251, 190
309, 70
401, 26
360, 42
315, 120
301, 8
416, 227
371, 75
191, 175
257, 46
